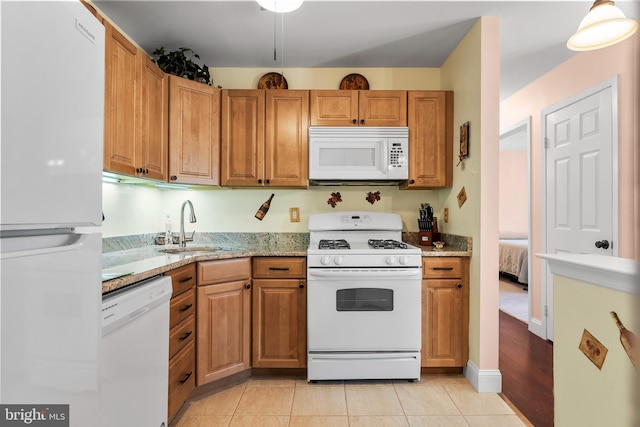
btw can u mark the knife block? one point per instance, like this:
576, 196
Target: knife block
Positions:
425, 238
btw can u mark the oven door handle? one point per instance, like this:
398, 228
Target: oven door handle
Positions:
358, 273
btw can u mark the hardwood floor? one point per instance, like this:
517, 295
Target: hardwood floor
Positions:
526, 364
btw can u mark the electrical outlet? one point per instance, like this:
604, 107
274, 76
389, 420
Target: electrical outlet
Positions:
446, 214
294, 214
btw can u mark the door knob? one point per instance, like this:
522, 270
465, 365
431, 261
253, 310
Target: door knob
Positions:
602, 244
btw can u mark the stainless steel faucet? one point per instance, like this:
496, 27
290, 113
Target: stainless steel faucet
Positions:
182, 242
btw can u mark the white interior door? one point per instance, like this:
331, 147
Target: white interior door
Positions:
580, 185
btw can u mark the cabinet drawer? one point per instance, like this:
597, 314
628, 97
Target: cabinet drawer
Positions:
183, 278
181, 378
182, 307
279, 267
181, 335
228, 270
441, 268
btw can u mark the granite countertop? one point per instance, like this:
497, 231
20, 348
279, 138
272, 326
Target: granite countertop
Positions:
130, 265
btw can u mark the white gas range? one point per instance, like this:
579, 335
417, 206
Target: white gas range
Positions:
363, 298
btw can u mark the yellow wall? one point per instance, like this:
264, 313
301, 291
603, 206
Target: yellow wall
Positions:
329, 78
585, 395
472, 72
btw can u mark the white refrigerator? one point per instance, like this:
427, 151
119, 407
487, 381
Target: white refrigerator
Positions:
52, 90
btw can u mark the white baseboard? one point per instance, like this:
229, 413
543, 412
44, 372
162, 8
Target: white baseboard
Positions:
484, 381
537, 328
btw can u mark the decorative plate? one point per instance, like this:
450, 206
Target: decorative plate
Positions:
273, 81
354, 82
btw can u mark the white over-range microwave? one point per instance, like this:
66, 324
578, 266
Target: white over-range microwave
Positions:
358, 154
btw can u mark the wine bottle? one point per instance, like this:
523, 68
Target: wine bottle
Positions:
629, 340
264, 208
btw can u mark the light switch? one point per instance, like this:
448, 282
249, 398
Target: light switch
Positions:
294, 214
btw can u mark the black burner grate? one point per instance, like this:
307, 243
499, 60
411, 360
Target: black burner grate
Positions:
334, 244
386, 244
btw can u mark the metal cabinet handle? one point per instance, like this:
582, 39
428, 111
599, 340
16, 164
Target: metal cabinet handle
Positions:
185, 336
412, 181
361, 121
247, 286
174, 178
459, 285
186, 378
259, 181
354, 121
301, 285
602, 244
279, 268
186, 307
443, 268
186, 279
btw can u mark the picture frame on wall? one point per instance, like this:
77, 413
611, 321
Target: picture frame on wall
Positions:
464, 140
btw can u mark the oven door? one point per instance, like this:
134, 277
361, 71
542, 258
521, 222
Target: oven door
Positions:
364, 309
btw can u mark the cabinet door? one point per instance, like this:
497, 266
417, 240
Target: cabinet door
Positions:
334, 107
243, 138
287, 138
194, 132
430, 140
443, 317
279, 323
119, 103
153, 125
223, 331
382, 108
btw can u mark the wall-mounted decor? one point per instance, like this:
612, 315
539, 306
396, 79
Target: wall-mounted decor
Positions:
462, 197
464, 142
273, 81
354, 82
593, 349
630, 341
262, 211
372, 197
334, 199
180, 63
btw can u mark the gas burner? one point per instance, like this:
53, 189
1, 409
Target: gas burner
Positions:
334, 244
386, 244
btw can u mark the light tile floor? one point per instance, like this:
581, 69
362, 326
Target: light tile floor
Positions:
434, 401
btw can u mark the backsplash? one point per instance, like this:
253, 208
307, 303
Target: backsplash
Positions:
227, 240
240, 240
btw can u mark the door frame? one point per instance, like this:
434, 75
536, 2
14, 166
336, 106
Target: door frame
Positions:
524, 125
613, 84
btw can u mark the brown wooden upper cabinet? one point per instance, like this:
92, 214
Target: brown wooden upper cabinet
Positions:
430, 140
265, 138
119, 103
136, 114
358, 107
194, 132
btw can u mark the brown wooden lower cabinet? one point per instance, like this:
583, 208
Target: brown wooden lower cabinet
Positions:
279, 312
181, 337
224, 319
181, 378
445, 312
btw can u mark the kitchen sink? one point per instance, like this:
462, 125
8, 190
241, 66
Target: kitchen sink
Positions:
192, 249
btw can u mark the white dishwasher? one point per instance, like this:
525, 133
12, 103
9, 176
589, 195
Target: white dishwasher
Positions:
134, 356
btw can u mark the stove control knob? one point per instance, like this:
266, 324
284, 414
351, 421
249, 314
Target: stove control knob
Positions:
404, 260
325, 260
338, 260
391, 260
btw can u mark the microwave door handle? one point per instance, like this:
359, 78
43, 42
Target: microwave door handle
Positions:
385, 156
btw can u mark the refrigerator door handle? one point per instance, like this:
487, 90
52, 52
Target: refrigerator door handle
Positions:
41, 243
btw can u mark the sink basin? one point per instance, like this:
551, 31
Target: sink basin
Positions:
191, 249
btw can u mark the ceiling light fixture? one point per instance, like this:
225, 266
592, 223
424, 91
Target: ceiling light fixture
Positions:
280, 6
604, 25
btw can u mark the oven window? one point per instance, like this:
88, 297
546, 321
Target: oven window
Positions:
364, 299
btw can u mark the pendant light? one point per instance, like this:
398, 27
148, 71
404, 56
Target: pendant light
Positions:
280, 6
604, 25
